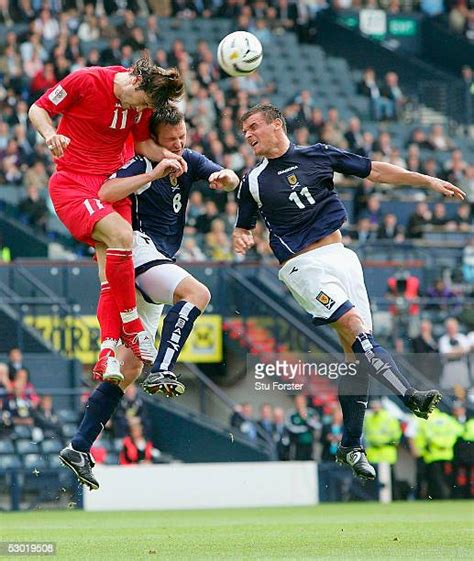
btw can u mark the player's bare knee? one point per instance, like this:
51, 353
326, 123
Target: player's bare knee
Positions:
350, 325
194, 292
122, 238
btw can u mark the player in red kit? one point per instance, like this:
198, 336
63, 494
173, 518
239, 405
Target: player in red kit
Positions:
103, 110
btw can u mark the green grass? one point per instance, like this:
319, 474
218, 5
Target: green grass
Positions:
362, 531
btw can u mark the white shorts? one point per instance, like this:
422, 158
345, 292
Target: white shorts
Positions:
327, 282
156, 283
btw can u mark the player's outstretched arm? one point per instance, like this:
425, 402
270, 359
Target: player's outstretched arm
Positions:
224, 180
42, 122
383, 172
242, 240
118, 188
150, 149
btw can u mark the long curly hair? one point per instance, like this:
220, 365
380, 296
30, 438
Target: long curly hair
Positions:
161, 85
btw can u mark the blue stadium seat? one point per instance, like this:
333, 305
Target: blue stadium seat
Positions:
10, 461
27, 447
34, 461
69, 430
51, 446
67, 416
54, 461
6, 447
22, 431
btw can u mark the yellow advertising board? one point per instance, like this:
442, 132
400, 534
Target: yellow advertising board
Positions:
78, 337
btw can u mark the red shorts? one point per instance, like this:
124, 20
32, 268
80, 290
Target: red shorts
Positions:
75, 200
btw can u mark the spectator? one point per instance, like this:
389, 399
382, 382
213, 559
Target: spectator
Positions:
19, 403
468, 262
281, 434
26, 388
434, 441
218, 244
241, 419
392, 92
439, 140
425, 343
419, 138
439, 218
382, 434
442, 296
136, 448
418, 220
380, 107
364, 232
454, 349
5, 382
390, 229
190, 251
373, 212
33, 209
46, 418
131, 406
331, 435
265, 422
354, 137
15, 361
302, 424
204, 221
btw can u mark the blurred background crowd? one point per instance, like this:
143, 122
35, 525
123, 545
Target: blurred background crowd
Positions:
371, 112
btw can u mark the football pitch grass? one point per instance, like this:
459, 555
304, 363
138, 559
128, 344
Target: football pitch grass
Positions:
362, 531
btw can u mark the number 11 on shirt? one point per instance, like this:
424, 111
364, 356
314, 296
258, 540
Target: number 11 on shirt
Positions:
296, 199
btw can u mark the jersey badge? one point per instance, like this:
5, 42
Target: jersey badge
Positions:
57, 95
325, 300
293, 180
174, 182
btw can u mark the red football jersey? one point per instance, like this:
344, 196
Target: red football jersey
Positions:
94, 120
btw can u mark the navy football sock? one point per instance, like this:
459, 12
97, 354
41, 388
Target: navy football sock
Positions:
353, 397
177, 326
381, 365
99, 408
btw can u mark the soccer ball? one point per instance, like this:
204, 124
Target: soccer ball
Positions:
239, 53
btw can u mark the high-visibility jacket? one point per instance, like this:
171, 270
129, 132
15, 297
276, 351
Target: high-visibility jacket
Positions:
382, 435
436, 437
468, 433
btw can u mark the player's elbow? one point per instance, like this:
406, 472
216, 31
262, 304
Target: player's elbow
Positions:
106, 194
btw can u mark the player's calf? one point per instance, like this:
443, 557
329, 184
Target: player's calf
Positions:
176, 329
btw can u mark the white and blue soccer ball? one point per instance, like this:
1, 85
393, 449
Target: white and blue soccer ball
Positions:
239, 53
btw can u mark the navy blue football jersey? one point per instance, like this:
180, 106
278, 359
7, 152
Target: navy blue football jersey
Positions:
159, 208
295, 195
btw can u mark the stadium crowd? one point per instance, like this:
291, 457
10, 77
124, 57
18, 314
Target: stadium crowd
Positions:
441, 447
33, 428
57, 40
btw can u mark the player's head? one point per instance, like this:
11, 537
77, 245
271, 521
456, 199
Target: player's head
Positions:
168, 129
264, 128
151, 86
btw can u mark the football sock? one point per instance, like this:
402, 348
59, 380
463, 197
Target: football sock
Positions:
109, 320
353, 397
99, 408
177, 326
121, 276
381, 365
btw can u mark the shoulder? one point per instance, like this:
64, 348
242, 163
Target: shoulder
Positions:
134, 166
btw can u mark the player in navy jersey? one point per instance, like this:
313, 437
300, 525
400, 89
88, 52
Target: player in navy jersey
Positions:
158, 220
292, 189
159, 201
